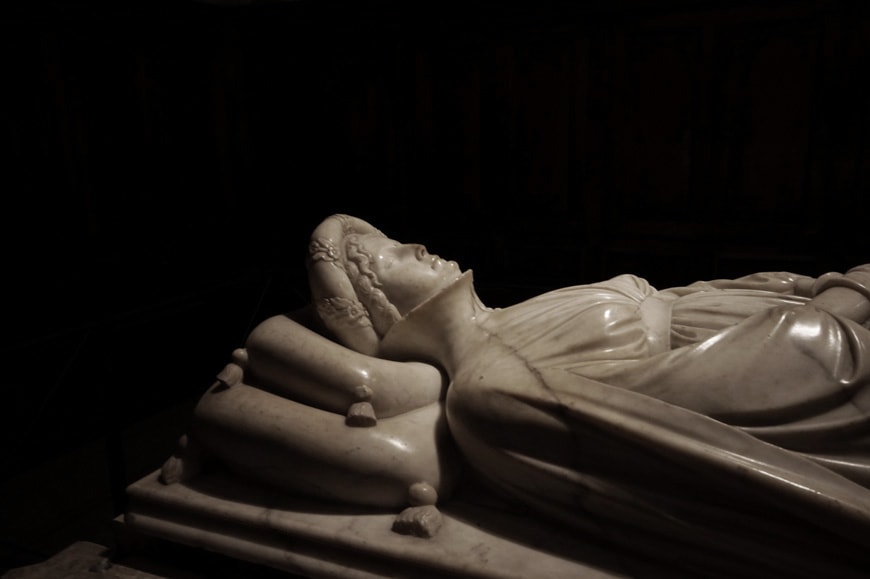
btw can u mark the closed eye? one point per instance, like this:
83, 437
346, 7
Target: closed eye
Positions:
421, 252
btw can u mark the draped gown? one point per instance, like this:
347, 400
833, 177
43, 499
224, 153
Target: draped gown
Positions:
726, 421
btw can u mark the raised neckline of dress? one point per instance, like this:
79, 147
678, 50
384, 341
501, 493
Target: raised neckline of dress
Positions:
428, 330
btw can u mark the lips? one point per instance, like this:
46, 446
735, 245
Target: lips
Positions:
442, 263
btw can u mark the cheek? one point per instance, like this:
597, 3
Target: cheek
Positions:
418, 281
399, 282
408, 287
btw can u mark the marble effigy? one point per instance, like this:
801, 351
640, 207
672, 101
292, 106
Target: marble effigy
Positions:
720, 428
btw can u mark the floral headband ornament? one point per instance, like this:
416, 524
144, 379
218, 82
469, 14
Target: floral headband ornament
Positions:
332, 292
336, 302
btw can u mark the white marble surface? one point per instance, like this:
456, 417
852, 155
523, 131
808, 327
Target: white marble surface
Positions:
718, 427
216, 513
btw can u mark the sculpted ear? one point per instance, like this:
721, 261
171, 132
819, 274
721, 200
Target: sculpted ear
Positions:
331, 290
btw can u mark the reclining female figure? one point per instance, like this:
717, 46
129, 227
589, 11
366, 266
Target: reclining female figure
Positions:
661, 417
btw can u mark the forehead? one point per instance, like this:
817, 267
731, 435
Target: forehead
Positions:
374, 243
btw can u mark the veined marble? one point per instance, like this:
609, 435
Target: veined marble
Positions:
716, 428
313, 538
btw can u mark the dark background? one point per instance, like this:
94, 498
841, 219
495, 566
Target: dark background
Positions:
166, 162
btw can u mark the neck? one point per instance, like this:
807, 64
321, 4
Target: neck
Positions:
438, 330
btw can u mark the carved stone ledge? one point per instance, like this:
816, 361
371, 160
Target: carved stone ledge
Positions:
218, 513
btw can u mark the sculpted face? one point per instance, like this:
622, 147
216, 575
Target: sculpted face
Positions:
408, 274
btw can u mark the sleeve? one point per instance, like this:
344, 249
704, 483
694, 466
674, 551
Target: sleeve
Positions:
779, 282
790, 367
857, 278
699, 311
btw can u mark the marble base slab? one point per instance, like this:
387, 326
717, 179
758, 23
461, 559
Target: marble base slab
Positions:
80, 560
217, 513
